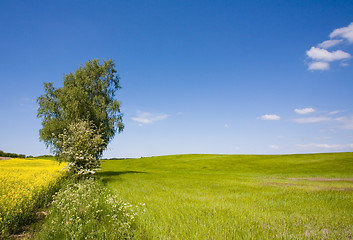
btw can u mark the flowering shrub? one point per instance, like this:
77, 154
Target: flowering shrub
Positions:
85, 210
81, 145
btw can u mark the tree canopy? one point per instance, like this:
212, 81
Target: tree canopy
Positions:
88, 94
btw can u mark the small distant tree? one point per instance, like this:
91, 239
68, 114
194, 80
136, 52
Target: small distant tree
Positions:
86, 101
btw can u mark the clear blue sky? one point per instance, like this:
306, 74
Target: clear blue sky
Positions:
197, 76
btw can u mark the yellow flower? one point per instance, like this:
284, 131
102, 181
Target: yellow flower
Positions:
22, 183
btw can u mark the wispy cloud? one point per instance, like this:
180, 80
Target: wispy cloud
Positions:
344, 32
325, 146
329, 43
270, 117
334, 112
28, 104
345, 122
148, 118
321, 57
312, 120
304, 110
274, 147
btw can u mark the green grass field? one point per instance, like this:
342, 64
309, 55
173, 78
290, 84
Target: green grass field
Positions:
238, 196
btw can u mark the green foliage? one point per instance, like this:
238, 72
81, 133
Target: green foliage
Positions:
47, 157
80, 145
88, 94
85, 210
238, 196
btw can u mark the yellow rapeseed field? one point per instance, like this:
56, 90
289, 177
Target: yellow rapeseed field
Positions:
25, 184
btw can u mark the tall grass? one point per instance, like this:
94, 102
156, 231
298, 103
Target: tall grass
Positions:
83, 209
238, 196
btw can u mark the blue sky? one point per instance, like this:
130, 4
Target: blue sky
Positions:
228, 77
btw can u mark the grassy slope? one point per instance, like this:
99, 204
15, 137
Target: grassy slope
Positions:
238, 196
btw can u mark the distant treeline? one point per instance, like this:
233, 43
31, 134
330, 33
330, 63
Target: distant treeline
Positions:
115, 158
13, 155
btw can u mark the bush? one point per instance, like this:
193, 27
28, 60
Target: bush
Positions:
81, 145
85, 210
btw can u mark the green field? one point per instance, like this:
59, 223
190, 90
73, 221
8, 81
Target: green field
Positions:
238, 196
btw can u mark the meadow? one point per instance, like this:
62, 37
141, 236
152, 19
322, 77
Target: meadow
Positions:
25, 185
307, 196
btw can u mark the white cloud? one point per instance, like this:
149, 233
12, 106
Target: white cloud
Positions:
321, 54
319, 66
329, 43
336, 122
312, 120
325, 146
345, 122
344, 32
321, 57
304, 110
226, 125
334, 112
270, 117
274, 147
148, 118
